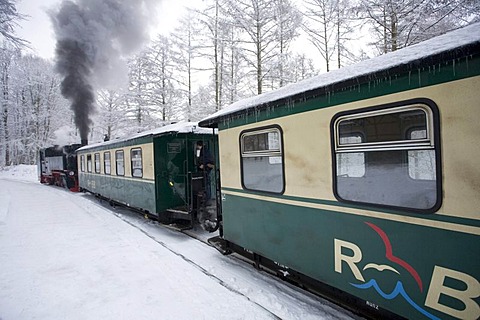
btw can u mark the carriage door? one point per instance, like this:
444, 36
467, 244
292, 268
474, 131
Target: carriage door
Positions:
171, 162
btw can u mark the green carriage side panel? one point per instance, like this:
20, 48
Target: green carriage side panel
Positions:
137, 193
174, 163
326, 244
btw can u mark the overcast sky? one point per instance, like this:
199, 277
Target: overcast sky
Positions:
38, 29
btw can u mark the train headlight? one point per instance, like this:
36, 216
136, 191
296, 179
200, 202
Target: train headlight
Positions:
71, 173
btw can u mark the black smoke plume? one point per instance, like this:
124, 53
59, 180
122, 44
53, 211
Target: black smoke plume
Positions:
76, 71
94, 37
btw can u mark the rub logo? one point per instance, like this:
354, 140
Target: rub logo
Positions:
402, 268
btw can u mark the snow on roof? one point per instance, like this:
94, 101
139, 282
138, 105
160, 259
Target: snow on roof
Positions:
449, 41
181, 127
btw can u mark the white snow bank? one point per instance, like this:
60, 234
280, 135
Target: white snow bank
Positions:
21, 172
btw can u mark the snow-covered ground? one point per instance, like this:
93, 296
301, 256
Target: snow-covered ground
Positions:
21, 173
66, 255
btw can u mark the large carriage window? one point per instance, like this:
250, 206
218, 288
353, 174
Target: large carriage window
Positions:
107, 164
387, 157
97, 162
120, 164
82, 163
137, 169
262, 160
89, 163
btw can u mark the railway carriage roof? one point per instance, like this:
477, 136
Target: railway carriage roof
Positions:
452, 45
181, 127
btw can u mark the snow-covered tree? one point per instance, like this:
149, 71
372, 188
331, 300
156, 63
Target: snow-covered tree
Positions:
32, 107
138, 97
186, 47
400, 23
37, 106
7, 58
288, 20
327, 26
215, 30
165, 94
111, 114
9, 17
299, 67
256, 20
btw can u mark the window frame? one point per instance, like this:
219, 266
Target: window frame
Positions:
262, 153
141, 162
431, 142
95, 162
109, 163
117, 152
405, 144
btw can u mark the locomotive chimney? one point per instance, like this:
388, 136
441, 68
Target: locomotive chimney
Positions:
84, 142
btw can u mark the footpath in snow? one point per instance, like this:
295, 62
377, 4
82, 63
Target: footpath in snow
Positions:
65, 256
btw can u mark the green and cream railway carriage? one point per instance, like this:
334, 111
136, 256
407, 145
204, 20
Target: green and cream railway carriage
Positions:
152, 171
364, 183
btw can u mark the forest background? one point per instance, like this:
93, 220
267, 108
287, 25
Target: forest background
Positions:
221, 51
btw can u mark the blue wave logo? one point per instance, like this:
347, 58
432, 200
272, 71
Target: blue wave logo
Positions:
399, 290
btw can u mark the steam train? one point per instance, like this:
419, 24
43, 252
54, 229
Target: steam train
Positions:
361, 184
57, 165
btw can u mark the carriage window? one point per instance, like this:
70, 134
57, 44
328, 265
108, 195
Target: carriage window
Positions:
82, 163
107, 163
137, 169
97, 162
262, 160
89, 163
120, 164
387, 157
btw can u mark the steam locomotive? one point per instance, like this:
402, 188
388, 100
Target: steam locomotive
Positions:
57, 165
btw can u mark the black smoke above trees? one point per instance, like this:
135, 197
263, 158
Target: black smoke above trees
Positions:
93, 39
73, 65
